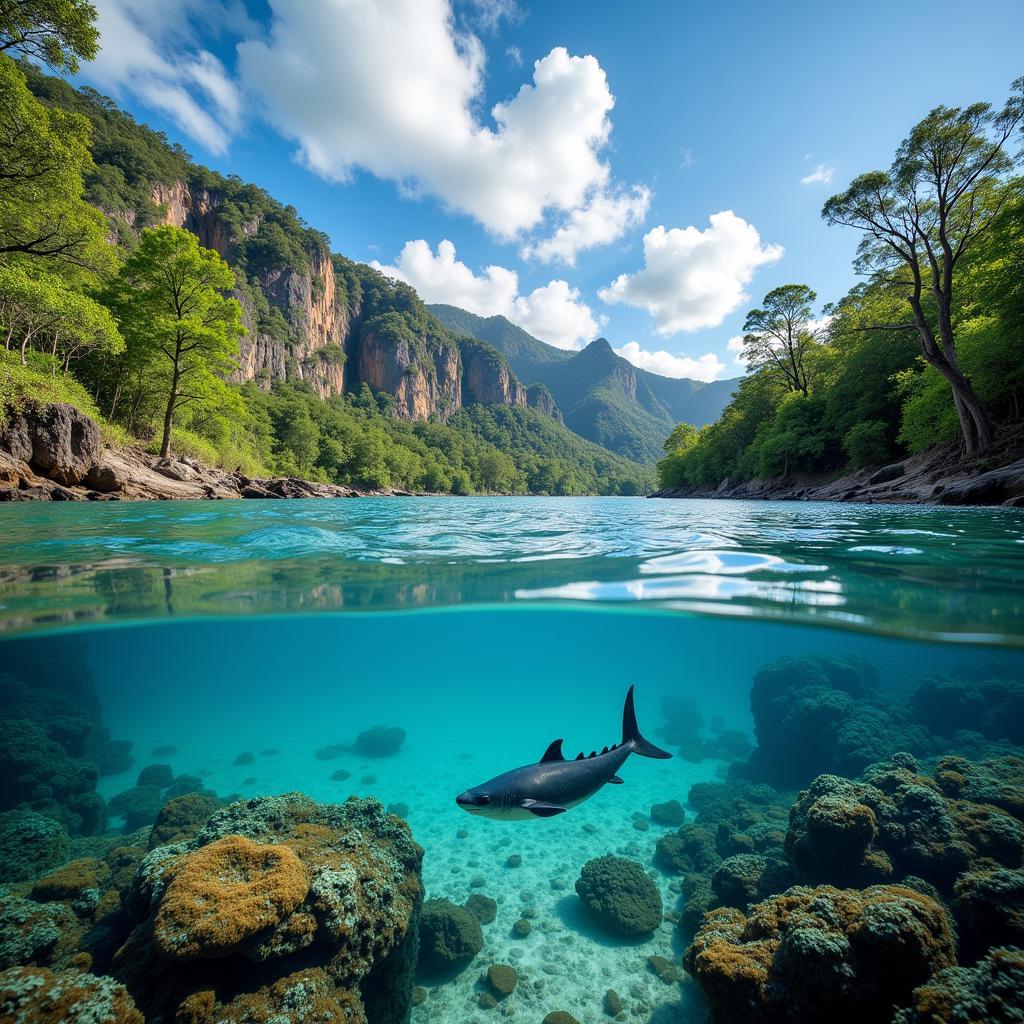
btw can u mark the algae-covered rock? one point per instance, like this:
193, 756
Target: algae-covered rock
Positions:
482, 907
70, 881
140, 805
502, 978
159, 775
30, 845
746, 878
991, 906
450, 936
35, 995
265, 887
226, 894
380, 741
559, 1017
820, 954
669, 813
620, 895
42, 934
991, 992
180, 818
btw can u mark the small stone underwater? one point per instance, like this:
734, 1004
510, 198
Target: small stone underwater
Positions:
193, 832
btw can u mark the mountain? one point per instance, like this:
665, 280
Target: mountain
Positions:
320, 323
601, 396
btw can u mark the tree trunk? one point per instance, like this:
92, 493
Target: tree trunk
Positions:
975, 426
165, 444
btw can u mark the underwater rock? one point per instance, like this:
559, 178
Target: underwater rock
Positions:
159, 775
42, 934
30, 845
246, 757
670, 813
330, 751
998, 781
341, 775
450, 936
419, 995
666, 970
991, 906
895, 821
747, 878
72, 880
380, 741
35, 995
612, 1003
402, 810
232, 896
502, 978
180, 817
522, 928
992, 991
619, 894
560, 1017
690, 850
139, 805
482, 907
992, 707
820, 954
823, 714
183, 785
261, 881
513, 860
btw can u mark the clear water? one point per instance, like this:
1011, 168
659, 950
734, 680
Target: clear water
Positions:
486, 628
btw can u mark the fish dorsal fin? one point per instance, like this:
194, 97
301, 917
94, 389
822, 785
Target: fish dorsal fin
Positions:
579, 756
553, 753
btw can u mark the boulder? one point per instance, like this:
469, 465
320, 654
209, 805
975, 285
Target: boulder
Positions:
620, 895
57, 441
450, 936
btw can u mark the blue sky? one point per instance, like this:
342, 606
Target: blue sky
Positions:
644, 180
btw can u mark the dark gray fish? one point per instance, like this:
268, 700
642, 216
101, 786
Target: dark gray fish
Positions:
553, 785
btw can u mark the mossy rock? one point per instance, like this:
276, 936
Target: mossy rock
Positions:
482, 907
502, 978
450, 936
30, 845
35, 995
620, 895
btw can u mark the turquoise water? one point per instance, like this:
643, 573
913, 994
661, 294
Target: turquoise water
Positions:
485, 628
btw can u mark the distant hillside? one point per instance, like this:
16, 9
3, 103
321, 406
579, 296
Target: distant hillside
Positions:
601, 396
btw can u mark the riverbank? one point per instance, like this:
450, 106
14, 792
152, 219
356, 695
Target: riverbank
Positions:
941, 476
56, 453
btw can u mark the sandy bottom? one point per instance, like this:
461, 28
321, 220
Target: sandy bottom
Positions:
565, 963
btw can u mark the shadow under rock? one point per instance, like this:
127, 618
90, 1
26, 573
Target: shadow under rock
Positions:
571, 912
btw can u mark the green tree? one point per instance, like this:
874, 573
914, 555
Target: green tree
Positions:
44, 153
177, 324
921, 217
54, 32
779, 334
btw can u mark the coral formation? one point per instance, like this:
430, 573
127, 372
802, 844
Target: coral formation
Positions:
42, 935
450, 936
482, 907
991, 906
159, 775
619, 894
669, 813
180, 818
823, 953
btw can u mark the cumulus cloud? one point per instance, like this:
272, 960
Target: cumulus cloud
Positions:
693, 278
151, 51
706, 367
394, 87
554, 312
607, 216
821, 175
735, 346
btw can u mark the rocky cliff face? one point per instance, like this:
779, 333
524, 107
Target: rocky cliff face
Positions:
538, 397
422, 383
322, 340
487, 378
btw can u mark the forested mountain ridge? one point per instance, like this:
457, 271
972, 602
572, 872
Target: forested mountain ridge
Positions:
602, 396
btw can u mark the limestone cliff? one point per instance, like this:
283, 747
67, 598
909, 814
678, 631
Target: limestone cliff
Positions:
486, 376
538, 397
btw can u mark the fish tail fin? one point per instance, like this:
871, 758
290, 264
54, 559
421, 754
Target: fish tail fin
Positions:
631, 736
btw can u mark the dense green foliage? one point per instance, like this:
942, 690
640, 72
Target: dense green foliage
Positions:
929, 350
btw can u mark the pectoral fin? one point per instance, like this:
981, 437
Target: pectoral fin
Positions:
615, 780
541, 809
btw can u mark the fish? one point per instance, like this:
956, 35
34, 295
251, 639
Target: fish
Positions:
554, 785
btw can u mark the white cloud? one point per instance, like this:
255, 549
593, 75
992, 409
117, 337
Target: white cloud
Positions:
393, 87
553, 312
515, 55
151, 51
735, 345
692, 278
606, 217
821, 175
705, 367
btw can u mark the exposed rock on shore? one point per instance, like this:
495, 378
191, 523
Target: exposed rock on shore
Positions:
54, 453
939, 477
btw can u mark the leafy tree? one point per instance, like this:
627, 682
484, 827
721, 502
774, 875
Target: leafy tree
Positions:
44, 153
178, 326
54, 32
921, 217
779, 334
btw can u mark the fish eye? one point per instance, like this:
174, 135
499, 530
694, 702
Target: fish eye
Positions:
484, 798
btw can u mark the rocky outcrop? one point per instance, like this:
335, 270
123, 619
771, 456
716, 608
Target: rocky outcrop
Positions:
424, 378
54, 454
538, 397
486, 376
